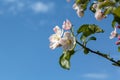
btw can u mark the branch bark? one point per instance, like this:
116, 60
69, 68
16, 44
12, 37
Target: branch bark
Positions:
100, 54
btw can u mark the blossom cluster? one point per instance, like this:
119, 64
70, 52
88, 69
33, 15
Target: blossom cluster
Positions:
115, 34
63, 37
99, 12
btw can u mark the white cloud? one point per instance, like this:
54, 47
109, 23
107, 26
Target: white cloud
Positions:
16, 6
12, 6
96, 75
42, 7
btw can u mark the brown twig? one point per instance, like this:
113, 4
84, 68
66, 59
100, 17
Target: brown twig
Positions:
100, 54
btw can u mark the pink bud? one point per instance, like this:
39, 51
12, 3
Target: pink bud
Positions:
117, 42
67, 25
118, 26
118, 37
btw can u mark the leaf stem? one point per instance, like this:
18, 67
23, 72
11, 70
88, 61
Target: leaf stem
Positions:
100, 54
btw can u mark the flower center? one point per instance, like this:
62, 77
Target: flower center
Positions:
68, 42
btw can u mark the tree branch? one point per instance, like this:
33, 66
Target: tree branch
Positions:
100, 54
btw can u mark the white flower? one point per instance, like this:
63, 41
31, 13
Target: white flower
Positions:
80, 13
67, 25
79, 10
68, 41
99, 15
55, 38
113, 34
57, 30
75, 6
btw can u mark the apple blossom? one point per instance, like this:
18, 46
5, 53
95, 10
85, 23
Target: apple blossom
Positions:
57, 30
75, 6
113, 33
61, 38
80, 13
79, 10
68, 41
67, 25
55, 38
99, 15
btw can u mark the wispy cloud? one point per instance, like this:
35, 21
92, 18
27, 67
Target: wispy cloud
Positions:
42, 7
15, 6
96, 75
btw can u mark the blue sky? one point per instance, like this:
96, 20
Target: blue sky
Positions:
25, 26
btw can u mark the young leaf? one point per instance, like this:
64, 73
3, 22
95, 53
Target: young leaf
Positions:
81, 1
116, 11
108, 10
117, 19
83, 38
82, 28
92, 38
64, 60
88, 29
113, 23
106, 4
118, 48
86, 51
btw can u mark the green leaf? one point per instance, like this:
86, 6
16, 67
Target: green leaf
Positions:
116, 11
116, 14
106, 4
86, 51
81, 1
118, 48
117, 19
92, 38
83, 38
113, 23
64, 60
108, 10
100, 0
88, 29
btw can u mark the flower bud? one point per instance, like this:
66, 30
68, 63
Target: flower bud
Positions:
80, 13
113, 34
117, 42
67, 25
99, 15
118, 37
118, 26
75, 6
